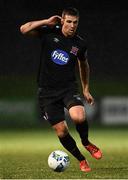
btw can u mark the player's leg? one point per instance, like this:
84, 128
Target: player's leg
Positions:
55, 115
69, 143
66, 140
78, 115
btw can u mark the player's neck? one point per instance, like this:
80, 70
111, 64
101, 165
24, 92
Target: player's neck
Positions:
67, 35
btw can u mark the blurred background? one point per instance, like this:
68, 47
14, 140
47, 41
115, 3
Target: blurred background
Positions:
106, 27
25, 139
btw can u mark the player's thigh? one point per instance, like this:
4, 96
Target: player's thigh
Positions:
75, 105
54, 112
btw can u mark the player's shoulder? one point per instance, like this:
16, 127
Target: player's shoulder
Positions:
53, 28
57, 27
49, 29
82, 41
81, 38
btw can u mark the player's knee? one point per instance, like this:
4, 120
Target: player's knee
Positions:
61, 129
77, 113
78, 116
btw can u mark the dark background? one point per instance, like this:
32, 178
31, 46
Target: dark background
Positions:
104, 23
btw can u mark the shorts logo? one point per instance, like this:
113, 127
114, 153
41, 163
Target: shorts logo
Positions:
60, 57
45, 116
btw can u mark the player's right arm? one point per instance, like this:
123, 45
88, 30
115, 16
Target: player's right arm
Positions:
30, 28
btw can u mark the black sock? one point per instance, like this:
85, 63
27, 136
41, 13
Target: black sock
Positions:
82, 129
69, 143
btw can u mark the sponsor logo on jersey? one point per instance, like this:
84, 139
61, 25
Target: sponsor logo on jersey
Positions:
74, 50
60, 57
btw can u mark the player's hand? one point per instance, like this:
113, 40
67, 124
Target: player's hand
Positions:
53, 20
88, 97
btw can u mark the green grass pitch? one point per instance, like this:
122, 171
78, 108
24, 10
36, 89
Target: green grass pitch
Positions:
24, 153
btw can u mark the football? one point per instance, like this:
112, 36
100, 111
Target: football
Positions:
58, 161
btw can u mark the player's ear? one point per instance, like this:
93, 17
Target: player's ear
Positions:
62, 21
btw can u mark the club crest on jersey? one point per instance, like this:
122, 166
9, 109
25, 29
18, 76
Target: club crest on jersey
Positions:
74, 50
60, 57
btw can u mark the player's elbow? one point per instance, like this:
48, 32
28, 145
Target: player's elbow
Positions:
25, 28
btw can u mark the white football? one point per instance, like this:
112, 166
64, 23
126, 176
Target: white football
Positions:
58, 160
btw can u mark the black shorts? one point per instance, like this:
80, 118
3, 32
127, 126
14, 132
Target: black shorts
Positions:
52, 108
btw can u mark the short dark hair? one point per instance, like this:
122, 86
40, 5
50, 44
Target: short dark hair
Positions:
70, 11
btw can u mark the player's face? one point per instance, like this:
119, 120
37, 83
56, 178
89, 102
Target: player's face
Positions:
69, 25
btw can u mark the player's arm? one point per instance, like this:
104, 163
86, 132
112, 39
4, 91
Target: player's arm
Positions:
84, 70
30, 28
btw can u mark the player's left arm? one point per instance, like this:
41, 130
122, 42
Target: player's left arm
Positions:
84, 70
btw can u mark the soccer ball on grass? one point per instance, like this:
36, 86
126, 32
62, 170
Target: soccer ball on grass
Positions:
58, 160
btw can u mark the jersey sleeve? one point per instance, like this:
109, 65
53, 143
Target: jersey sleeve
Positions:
82, 53
44, 30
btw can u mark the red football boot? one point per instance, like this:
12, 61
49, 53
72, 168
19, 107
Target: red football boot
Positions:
94, 151
84, 166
